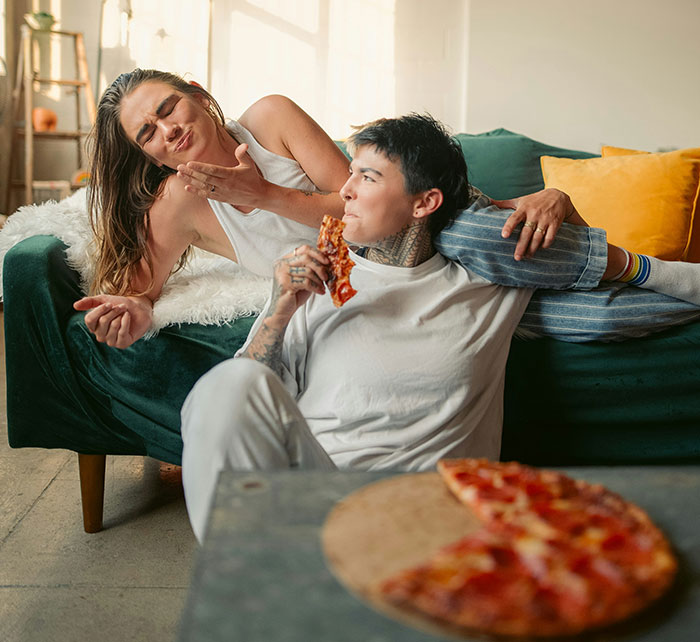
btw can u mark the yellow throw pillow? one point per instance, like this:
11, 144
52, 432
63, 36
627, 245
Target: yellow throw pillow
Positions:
693, 252
646, 202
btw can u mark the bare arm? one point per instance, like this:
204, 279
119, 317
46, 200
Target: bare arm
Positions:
282, 127
119, 321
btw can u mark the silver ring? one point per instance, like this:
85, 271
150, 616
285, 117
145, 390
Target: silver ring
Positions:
212, 189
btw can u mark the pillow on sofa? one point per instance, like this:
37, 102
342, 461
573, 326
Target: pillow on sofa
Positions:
693, 253
504, 164
645, 202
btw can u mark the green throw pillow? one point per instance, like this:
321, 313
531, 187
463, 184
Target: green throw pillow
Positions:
503, 164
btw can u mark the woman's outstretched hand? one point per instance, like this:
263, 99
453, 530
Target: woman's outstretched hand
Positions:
541, 214
241, 186
118, 321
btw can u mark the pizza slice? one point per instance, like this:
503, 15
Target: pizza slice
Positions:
555, 556
499, 581
333, 245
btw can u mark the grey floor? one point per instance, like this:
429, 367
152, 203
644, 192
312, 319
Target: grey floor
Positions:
59, 584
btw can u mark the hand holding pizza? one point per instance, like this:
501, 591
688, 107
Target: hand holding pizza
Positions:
296, 276
306, 270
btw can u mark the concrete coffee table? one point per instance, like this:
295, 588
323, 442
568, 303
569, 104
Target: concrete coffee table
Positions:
261, 575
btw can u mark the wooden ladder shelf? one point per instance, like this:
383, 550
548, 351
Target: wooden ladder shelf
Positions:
27, 81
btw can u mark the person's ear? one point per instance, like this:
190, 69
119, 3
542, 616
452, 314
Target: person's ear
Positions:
199, 96
427, 202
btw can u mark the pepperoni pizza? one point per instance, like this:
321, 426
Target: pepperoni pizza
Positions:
554, 556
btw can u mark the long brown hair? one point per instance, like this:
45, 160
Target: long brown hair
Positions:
124, 184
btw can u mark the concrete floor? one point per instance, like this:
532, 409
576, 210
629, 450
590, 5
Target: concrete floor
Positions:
59, 584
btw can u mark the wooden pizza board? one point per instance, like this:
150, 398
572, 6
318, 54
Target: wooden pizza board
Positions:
397, 523
389, 526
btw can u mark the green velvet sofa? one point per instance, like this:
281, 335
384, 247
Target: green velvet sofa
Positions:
565, 404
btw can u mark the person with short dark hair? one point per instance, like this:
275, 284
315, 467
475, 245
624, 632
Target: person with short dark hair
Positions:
409, 370
169, 172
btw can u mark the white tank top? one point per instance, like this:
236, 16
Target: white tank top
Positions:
261, 237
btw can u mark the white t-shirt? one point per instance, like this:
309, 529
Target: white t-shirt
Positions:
411, 369
260, 237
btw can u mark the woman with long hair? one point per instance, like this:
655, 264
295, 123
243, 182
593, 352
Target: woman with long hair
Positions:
169, 172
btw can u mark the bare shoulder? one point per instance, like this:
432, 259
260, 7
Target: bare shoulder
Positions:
174, 213
270, 118
283, 127
269, 107
174, 199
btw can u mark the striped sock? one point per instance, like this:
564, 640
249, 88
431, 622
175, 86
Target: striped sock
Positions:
636, 271
676, 279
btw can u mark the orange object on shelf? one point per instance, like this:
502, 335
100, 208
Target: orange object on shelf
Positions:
44, 119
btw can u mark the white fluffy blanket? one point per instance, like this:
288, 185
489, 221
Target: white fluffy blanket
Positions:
210, 290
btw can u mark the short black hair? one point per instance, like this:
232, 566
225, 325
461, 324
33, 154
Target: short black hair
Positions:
429, 157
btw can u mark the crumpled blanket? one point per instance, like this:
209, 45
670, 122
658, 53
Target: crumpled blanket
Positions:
209, 290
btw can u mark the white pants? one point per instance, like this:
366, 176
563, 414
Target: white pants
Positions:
239, 414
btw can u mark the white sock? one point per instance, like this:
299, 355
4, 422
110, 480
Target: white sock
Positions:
675, 278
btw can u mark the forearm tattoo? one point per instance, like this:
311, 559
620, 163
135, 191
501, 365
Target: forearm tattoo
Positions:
266, 348
266, 345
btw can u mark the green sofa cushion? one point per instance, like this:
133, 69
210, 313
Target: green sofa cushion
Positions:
94, 399
504, 164
633, 401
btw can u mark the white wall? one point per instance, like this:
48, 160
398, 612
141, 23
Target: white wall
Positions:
431, 59
344, 61
582, 73
574, 73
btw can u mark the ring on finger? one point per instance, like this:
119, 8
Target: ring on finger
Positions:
530, 224
541, 229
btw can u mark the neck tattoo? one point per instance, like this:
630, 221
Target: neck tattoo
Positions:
410, 247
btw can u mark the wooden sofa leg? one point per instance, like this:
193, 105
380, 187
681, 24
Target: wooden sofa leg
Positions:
92, 490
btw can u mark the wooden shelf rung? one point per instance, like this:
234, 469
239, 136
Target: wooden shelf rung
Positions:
28, 82
56, 32
60, 81
46, 184
56, 134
